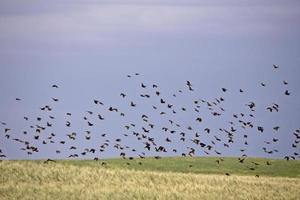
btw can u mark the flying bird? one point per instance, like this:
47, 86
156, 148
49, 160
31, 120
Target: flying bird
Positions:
287, 93
275, 66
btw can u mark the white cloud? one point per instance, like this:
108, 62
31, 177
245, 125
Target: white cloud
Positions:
107, 23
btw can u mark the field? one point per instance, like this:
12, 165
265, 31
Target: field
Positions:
167, 178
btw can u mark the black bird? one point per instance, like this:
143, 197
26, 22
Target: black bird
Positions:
18, 99
100, 117
132, 104
275, 140
54, 99
287, 93
207, 130
6, 130
68, 124
123, 95
199, 119
260, 128
49, 160
287, 158
112, 109
224, 89
55, 86
275, 66
188, 83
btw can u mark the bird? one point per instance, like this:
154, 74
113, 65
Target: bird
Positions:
113, 109
100, 117
275, 66
6, 130
188, 83
287, 93
90, 112
68, 124
55, 86
199, 119
49, 160
260, 128
207, 130
132, 104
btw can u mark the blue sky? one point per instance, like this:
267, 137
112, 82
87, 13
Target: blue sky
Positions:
89, 47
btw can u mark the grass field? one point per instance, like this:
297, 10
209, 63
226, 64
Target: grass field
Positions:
167, 178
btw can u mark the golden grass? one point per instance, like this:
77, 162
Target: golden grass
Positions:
35, 180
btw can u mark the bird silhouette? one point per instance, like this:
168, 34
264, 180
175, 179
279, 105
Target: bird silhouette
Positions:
287, 93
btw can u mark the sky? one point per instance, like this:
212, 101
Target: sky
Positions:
89, 47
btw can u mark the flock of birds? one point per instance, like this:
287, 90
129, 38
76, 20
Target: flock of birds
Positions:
151, 136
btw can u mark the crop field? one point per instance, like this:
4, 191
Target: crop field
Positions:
166, 178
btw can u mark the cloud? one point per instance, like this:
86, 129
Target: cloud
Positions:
109, 23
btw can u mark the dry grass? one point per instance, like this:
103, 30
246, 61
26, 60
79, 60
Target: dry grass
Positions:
35, 180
